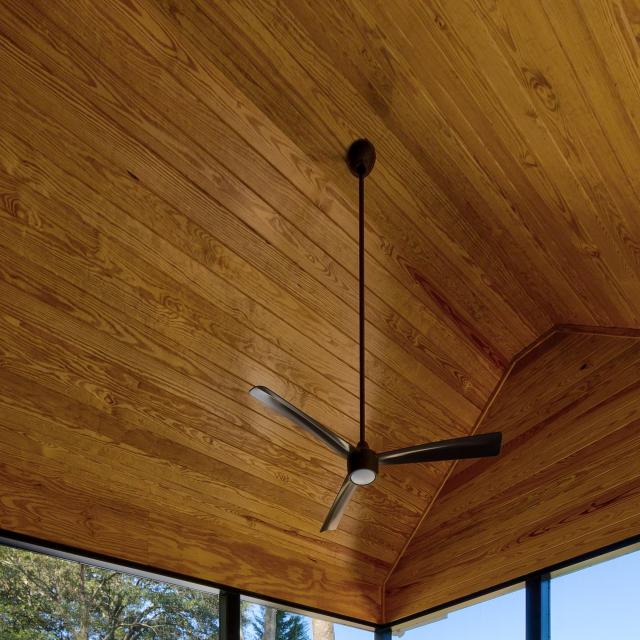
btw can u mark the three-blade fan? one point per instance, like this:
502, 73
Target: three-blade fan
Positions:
362, 461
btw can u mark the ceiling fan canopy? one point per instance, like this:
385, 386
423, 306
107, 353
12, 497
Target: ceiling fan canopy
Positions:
363, 462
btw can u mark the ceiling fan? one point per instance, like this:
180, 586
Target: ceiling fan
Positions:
362, 461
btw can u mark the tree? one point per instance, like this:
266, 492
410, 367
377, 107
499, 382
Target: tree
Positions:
45, 598
267, 623
322, 629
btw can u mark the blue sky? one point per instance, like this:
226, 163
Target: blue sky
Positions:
349, 633
600, 602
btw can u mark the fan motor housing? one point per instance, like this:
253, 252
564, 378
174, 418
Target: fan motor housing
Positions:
361, 156
362, 459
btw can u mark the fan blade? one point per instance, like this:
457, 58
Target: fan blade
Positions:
480, 446
280, 405
339, 505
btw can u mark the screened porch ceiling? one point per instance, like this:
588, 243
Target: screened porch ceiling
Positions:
178, 224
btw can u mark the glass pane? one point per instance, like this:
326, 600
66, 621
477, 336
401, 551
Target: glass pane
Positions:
266, 623
46, 598
600, 601
500, 618
344, 632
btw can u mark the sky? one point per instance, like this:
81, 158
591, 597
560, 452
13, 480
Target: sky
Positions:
597, 602
600, 602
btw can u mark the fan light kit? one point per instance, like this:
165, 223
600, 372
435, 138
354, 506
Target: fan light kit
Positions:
362, 461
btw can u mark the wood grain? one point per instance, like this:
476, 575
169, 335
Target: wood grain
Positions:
566, 482
177, 224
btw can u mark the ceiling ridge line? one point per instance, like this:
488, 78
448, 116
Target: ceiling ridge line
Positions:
559, 328
613, 331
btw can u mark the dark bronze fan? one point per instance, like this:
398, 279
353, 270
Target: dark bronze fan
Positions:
362, 461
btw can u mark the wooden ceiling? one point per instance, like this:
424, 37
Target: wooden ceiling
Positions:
567, 481
178, 224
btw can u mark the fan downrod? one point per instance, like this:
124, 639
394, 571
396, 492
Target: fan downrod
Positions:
362, 461
361, 157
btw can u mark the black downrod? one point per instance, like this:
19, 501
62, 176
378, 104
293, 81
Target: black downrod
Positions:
361, 157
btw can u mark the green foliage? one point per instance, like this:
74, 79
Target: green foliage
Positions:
44, 598
289, 626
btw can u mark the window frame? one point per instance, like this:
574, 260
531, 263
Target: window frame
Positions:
537, 591
536, 585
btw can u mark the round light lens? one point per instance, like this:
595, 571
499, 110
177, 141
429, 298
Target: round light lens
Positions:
362, 476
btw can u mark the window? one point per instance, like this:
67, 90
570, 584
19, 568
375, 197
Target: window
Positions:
43, 597
48, 598
260, 622
501, 617
598, 601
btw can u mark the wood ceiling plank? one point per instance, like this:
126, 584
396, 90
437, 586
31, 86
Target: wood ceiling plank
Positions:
29, 496
405, 482
552, 472
564, 471
336, 100
450, 343
603, 278
610, 517
414, 440
583, 211
178, 224
173, 312
460, 61
189, 546
180, 306
162, 51
401, 358
441, 330
494, 154
27, 213
128, 395
231, 195
361, 47
564, 378
233, 233
565, 482
568, 406
270, 292
573, 123
167, 496
596, 32
170, 455
96, 525
50, 443
137, 363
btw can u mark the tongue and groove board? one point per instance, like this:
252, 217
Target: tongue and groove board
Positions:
177, 224
567, 481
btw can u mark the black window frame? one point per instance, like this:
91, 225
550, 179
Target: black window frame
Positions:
537, 591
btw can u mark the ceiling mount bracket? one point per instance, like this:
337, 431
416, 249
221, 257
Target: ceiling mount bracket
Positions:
361, 157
